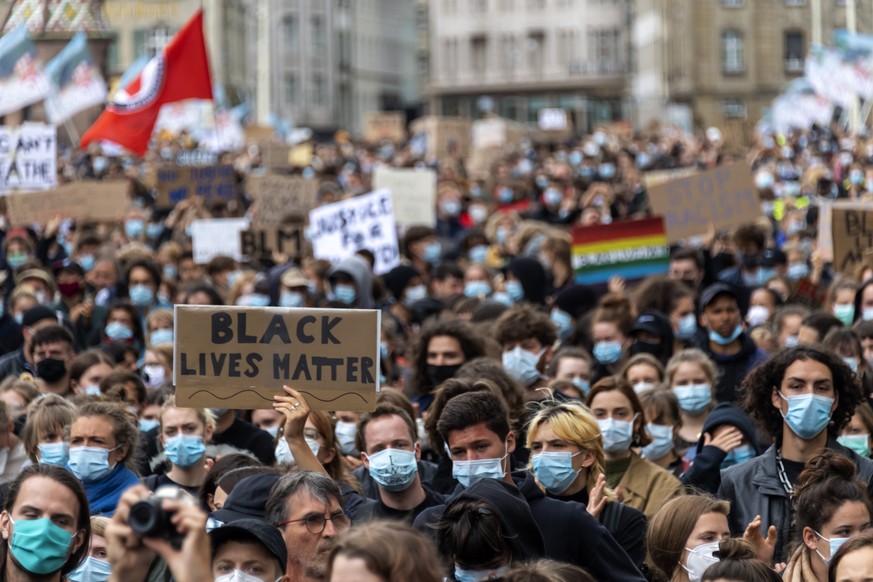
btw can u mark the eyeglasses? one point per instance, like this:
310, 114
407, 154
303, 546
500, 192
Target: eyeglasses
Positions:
316, 523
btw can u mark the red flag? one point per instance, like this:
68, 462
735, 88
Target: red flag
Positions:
180, 72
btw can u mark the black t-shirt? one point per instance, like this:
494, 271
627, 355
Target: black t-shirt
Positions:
247, 437
431, 499
155, 481
792, 470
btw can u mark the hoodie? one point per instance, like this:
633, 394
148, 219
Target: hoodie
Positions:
533, 278
359, 270
734, 368
705, 472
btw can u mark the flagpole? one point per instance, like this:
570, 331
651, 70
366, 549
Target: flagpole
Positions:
71, 132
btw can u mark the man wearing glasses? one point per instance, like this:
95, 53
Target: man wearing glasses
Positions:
307, 508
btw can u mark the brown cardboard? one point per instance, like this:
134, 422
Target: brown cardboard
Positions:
239, 357
176, 183
852, 231
385, 125
97, 201
447, 137
281, 198
413, 193
275, 156
258, 133
286, 240
300, 156
725, 196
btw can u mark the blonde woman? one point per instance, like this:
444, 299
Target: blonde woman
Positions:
185, 432
567, 459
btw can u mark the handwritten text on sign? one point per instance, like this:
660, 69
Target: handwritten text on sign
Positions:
176, 183
284, 240
239, 357
281, 198
28, 157
724, 197
341, 229
853, 237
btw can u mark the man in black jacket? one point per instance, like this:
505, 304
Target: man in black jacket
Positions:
475, 427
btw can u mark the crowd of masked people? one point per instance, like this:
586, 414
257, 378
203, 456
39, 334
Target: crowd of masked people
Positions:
710, 424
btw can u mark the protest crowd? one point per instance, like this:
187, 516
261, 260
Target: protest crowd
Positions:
470, 352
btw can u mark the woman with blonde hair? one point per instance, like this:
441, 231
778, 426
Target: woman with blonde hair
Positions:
692, 377
684, 536
567, 459
46, 432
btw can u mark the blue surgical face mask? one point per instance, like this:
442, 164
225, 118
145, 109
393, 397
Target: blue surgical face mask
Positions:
478, 254
91, 570
154, 230
845, 313
147, 424
345, 294
414, 294
522, 364
694, 398
134, 227
291, 299
433, 252
853, 363
468, 473
161, 336
860, 443
87, 262
253, 300
170, 271
393, 469
555, 470
54, 453
117, 331
582, 385
834, 544
563, 321
505, 195
477, 289
514, 289
16, 260
185, 450
40, 546
617, 435
90, 463
738, 455
552, 197
662, 441
463, 575
721, 340
808, 414
608, 352
687, 327
140, 295
798, 271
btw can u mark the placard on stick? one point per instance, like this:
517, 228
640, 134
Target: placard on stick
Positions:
281, 198
852, 231
176, 183
413, 193
724, 196
385, 125
239, 357
28, 157
286, 239
97, 201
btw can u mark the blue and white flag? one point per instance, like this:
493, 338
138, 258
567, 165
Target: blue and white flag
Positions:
22, 81
76, 83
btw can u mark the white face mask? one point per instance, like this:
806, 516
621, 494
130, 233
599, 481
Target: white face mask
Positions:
239, 576
699, 559
283, 451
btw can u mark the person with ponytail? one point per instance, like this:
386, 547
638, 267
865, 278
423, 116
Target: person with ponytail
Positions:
567, 460
831, 506
737, 562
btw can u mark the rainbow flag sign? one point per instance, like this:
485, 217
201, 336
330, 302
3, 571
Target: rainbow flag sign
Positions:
630, 249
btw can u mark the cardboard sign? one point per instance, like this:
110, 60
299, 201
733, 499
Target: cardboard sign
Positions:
630, 249
553, 120
274, 156
413, 193
852, 231
385, 125
340, 229
28, 157
239, 357
176, 183
444, 137
725, 197
281, 198
213, 237
659, 177
97, 201
300, 156
258, 133
263, 243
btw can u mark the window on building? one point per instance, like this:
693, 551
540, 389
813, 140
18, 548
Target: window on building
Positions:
536, 4
509, 54
478, 6
319, 92
795, 2
606, 49
289, 33
156, 39
479, 54
290, 89
732, 52
733, 109
794, 51
535, 48
318, 33
731, 3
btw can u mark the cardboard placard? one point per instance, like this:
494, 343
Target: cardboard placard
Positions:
285, 239
385, 125
445, 137
413, 193
176, 183
659, 177
28, 157
852, 231
213, 237
258, 133
274, 156
630, 249
239, 357
725, 196
281, 198
300, 156
340, 229
97, 201
553, 120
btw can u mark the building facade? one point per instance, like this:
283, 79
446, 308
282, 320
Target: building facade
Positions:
527, 55
720, 63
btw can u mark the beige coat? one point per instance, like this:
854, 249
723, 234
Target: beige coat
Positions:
647, 487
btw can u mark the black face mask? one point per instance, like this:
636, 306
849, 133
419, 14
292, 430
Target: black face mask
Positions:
51, 370
436, 375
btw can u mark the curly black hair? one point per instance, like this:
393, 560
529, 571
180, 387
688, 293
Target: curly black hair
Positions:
756, 390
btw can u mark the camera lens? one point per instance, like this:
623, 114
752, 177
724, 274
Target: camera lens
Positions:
146, 518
